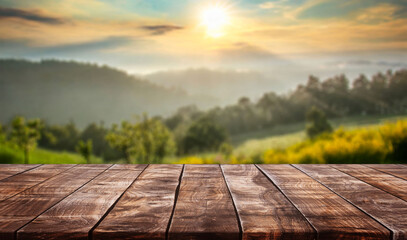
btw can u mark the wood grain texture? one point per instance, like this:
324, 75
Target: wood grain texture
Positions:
8, 170
20, 182
204, 209
393, 169
385, 208
384, 181
210, 202
330, 215
145, 209
22, 208
264, 212
78, 213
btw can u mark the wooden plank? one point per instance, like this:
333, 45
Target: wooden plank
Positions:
20, 182
385, 208
384, 181
329, 214
393, 169
19, 210
145, 209
264, 212
204, 208
78, 213
8, 170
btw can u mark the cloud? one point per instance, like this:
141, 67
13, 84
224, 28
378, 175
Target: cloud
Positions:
326, 9
31, 15
267, 5
160, 29
377, 14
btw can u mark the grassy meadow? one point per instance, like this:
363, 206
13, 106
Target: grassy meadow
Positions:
10, 154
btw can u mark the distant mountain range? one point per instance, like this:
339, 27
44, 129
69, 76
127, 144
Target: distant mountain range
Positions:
59, 91
225, 85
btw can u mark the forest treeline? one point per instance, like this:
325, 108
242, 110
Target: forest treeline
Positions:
382, 94
191, 130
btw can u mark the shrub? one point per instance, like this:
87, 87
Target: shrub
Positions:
317, 123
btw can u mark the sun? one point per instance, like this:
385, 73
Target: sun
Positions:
215, 18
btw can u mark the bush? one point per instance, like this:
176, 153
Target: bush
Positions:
395, 135
317, 123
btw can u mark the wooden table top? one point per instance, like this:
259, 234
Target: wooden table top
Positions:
203, 201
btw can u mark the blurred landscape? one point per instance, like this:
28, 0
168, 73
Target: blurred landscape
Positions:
203, 82
322, 121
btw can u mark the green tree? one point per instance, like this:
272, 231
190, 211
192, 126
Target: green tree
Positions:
59, 137
25, 135
204, 135
101, 148
146, 141
85, 149
156, 140
124, 139
317, 123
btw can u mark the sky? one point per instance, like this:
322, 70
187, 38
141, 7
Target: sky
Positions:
276, 38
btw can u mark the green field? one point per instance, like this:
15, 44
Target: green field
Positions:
283, 136
41, 156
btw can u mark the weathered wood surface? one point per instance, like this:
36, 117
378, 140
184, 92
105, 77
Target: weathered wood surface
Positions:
22, 208
264, 212
385, 208
393, 169
78, 213
8, 170
20, 182
331, 215
145, 209
203, 202
389, 183
204, 208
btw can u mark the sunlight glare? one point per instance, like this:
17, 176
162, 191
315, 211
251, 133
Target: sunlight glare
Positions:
215, 18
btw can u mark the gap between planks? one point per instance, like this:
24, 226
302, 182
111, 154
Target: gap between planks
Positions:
175, 203
239, 221
20, 172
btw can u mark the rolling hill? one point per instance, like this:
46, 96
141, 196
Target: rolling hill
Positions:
59, 91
